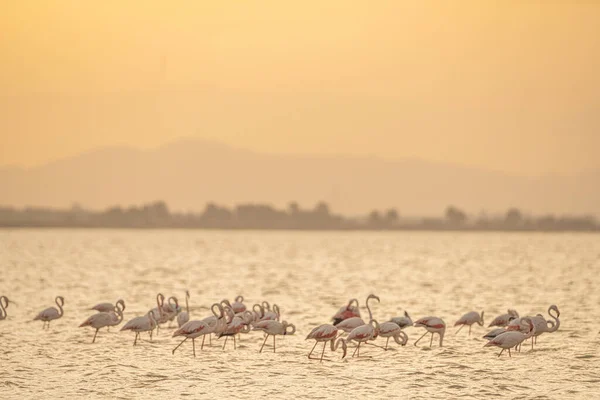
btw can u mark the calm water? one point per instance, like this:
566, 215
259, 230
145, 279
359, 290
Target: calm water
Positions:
309, 275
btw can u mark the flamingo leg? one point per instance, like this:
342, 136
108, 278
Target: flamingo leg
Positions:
194, 346
509, 352
470, 326
323, 352
421, 338
226, 337
358, 355
500, 352
173, 352
209, 339
459, 329
273, 343
202, 346
431, 341
94, 339
234, 345
263, 345
152, 330
532, 343
136, 337
313, 349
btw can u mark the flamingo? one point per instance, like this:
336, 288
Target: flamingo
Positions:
432, 325
146, 323
3, 307
104, 307
393, 330
469, 319
504, 319
493, 333
158, 312
184, 316
171, 309
237, 325
216, 320
195, 328
349, 324
116, 319
273, 315
363, 334
102, 319
238, 305
51, 313
348, 311
541, 325
273, 328
402, 322
510, 339
326, 333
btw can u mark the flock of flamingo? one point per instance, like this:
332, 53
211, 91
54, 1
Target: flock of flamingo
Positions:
230, 319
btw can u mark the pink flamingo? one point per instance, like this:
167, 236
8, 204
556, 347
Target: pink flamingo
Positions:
184, 316
510, 339
3, 306
504, 319
51, 313
196, 328
104, 319
237, 325
349, 324
469, 319
402, 322
349, 311
326, 333
238, 305
147, 323
432, 325
393, 330
104, 307
364, 333
116, 319
273, 328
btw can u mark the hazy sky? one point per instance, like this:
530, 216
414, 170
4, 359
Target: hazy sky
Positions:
511, 85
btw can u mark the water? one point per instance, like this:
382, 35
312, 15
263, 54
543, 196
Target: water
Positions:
309, 275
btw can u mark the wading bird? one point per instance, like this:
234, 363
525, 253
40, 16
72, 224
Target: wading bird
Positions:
504, 319
392, 330
469, 319
184, 316
362, 334
432, 325
104, 319
51, 313
510, 339
349, 324
273, 328
146, 323
402, 322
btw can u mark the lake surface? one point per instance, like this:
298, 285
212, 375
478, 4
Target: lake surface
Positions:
309, 275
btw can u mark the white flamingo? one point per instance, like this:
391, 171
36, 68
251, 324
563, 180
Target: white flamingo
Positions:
510, 339
51, 313
469, 319
147, 323
432, 325
273, 328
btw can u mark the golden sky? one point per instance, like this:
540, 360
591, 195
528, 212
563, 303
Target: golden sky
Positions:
512, 85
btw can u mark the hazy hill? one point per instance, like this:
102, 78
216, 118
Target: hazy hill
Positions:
189, 173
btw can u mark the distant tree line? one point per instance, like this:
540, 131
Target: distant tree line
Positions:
264, 216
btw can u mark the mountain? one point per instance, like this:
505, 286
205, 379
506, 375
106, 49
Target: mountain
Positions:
189, 173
